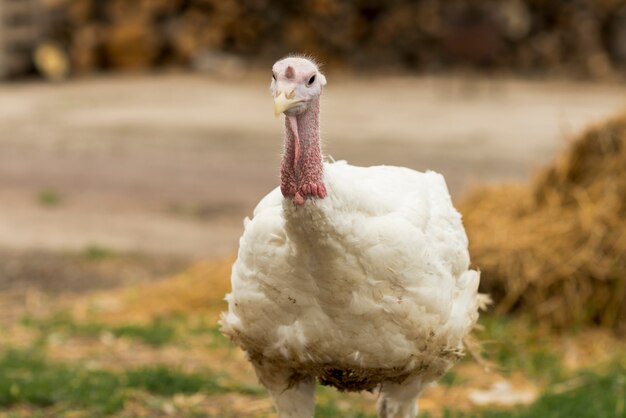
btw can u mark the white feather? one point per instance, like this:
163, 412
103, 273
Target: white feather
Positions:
374, 275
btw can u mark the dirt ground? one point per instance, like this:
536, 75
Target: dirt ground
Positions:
170, 164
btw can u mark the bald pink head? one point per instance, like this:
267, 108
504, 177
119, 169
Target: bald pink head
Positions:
295, 83
296, 87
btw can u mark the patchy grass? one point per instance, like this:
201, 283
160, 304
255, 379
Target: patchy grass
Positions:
331, 409
170, 324
97, 252
518, 346
49, 197
451, 378
202, 327
162, 380
588, 395
27, 377
160, 331
512, 344
62, 322
331, 404
157, 332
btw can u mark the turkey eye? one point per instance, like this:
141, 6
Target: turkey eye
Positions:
311, 80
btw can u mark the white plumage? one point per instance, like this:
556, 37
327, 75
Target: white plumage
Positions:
369, 287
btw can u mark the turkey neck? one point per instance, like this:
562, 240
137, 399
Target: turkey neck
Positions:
307, 225
302, 157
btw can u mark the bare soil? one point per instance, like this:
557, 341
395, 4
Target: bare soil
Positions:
168, 165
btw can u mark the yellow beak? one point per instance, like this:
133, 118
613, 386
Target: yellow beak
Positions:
284, 102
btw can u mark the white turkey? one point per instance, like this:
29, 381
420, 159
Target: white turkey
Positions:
355, 277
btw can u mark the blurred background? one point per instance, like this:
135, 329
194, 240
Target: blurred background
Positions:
137, 135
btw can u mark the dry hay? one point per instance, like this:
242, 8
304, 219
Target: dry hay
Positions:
556, 248
198, 289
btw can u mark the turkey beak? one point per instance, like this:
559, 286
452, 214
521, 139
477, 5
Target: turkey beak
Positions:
285, 101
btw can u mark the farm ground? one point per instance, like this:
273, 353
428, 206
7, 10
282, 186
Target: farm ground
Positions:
154, 349
112, 187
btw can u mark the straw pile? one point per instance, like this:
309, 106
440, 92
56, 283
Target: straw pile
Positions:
556, 249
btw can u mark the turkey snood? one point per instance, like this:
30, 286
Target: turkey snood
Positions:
301, 169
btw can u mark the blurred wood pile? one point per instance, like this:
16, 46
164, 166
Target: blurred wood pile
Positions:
18, 33
556, 248
586, 37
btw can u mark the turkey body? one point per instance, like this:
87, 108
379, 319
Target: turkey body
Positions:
368, 285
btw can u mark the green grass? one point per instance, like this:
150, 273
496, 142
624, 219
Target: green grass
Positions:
63, 322
27, 377
330, 404
97, 252
594, 396
162, 380
49, 197
517, 346
158, 332
451, 379
330, 409
202, 327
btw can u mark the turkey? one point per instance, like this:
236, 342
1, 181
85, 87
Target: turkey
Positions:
354, 277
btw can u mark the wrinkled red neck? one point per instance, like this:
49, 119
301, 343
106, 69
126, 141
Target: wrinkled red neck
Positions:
302, 157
